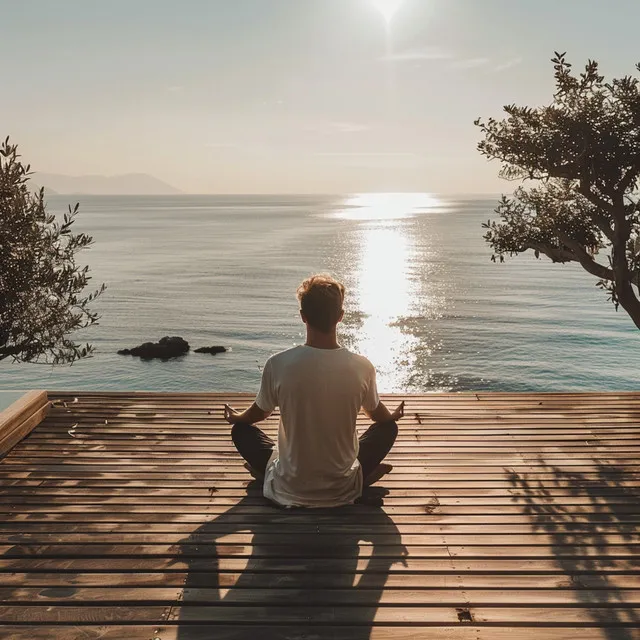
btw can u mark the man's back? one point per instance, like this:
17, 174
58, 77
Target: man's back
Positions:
319, 392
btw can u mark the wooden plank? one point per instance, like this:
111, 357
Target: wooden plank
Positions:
498, 468
403, 468
624, 521
453, 597
395, 497
418, 456
319, 548
293, 566
21, 418
606, 541
229, 579
425, 430
620, 617
441, 503
84, 450
12, 436
309, 632
624, 512
151, 494
312, 632
219, 526
430, 483
83, 615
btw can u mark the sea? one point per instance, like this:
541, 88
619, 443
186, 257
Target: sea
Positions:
424, 302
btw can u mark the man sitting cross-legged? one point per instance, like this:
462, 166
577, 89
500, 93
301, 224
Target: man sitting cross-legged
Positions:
320, 387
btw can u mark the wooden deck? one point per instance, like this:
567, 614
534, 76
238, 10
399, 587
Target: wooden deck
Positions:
129, 516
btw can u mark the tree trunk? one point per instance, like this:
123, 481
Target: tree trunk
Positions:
624, 291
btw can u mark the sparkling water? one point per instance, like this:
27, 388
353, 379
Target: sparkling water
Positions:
424, 301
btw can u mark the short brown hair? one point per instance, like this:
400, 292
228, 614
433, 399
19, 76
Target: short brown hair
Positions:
321, 298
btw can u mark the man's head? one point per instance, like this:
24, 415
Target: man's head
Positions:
321, 299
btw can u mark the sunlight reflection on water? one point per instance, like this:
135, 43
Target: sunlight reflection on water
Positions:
434, 312
386, 206
385, 292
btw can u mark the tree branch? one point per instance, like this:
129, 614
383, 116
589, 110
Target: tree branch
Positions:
555, 254
623, 289
601, 222
630, 177
585, 260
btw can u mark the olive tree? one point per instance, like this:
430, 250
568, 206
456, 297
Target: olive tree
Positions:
582, 153
42, 299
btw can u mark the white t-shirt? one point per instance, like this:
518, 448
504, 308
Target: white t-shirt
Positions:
319, 392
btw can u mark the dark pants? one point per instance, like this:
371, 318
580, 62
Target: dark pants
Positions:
256, 447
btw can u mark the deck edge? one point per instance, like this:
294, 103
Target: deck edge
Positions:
20, 418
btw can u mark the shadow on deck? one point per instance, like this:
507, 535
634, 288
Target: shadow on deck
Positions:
579, 537
507, 516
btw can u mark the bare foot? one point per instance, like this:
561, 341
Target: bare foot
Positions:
256, 474
380, 471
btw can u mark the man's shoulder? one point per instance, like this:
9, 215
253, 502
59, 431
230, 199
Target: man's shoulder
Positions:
302, 354
285, 356
361, 361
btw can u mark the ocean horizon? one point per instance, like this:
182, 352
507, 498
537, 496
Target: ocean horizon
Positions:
424, 301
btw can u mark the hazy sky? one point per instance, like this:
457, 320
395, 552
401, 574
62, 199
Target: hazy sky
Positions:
285, 96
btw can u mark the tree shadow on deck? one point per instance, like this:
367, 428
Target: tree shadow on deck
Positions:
609, 507
305, 570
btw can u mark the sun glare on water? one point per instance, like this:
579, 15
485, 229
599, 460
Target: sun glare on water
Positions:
387, 206
384, 294
385, 291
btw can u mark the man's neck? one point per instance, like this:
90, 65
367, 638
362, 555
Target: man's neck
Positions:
319, 340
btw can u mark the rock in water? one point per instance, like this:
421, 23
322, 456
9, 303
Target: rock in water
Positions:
165, 349
211, 350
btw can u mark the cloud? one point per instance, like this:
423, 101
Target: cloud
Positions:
175, 88
418, 55
367, 154
434, 54
508, 64
335, 127
349, 127
470, 63
221, 145
375, 159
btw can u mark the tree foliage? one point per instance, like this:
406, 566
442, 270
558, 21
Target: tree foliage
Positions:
583, 154
41, 286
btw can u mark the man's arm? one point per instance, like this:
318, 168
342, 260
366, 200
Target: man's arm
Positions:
252, 415
382, 414
266, 397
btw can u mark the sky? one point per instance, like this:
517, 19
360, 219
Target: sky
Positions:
288, 96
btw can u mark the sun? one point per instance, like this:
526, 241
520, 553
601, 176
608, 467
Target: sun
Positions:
388, 8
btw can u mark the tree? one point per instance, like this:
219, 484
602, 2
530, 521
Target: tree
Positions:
41, 287
583, 152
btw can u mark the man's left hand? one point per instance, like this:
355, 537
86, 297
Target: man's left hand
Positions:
398, 413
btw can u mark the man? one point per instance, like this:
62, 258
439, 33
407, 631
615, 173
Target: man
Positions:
320, 388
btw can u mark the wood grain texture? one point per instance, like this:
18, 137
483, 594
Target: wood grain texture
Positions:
19, 419
129, 515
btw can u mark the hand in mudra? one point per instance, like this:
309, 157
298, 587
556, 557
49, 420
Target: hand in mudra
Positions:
230, 414
398, 413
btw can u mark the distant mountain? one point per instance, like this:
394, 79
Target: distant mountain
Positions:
129, 184
36, 186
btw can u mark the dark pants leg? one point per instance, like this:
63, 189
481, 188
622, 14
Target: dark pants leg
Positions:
254, 445
375, 444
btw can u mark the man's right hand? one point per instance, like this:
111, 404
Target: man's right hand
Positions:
398, 413
230, 414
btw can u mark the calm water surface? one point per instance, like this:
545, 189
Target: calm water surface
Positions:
424, 301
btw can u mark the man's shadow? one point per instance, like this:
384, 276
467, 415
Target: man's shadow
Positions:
308, 569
